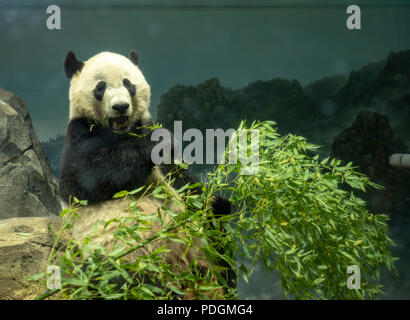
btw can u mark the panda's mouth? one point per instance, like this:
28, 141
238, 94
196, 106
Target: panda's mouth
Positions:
119, 123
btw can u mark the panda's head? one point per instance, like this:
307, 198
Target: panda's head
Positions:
108, 88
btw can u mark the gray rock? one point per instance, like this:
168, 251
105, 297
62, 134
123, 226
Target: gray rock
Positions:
25, 245
27, 185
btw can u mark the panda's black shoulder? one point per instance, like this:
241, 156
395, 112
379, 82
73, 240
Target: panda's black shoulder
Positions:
77, 128
83, 128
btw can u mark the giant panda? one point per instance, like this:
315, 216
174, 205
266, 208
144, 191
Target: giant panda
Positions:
107, 146
109, 97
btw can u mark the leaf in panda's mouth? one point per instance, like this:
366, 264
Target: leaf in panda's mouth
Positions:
119, 123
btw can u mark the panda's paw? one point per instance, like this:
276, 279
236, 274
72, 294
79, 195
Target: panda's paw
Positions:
220, 206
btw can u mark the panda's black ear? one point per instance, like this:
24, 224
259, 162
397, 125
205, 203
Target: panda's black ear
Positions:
71, 64
133, 56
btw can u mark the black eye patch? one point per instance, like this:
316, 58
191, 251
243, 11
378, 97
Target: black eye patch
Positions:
99, 90
130, 87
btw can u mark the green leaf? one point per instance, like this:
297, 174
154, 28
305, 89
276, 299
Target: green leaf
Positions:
116, 251
319, 280
120, 194
348, 256
37, 276
157, 193
22, 234
195, 185
356, 243
148, 291
355, 183
136, 190
176, 290
198, 204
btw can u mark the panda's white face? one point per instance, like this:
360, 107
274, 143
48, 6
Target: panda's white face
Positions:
112, 90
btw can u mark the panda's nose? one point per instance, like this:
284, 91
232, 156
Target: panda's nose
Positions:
121, 108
